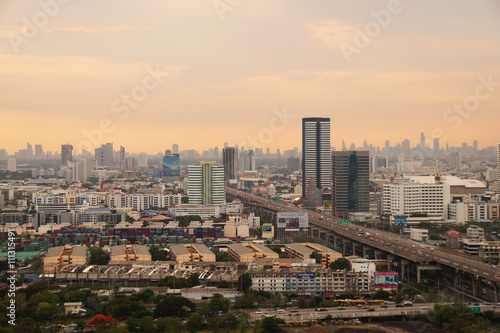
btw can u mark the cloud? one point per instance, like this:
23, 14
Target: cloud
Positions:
74, 67
331, 32
97, 29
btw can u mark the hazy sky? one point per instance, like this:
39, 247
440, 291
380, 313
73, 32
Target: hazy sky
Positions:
223, 70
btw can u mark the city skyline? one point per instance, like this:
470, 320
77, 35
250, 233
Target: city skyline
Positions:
212, 76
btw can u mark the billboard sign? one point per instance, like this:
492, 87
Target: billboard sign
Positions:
291, 220
385, 279
171, 166
267, 229
400, 220
306, 275
453, 233
326, 204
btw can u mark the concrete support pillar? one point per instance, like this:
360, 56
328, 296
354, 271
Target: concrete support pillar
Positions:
344, 246
495, 289
418, 274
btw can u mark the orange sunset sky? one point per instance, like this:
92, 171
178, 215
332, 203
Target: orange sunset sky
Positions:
67, 67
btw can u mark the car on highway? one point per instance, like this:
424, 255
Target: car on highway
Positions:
425, 308
371, 309
294, 310
321, 309
385, 306
400, 306
341, 308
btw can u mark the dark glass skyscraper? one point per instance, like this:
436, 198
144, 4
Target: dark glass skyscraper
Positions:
316, 154
230, 162
350, 182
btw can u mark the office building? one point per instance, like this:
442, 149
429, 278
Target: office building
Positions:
413, 196
498, 166
11, 165
377, 162
435, 147
455, 161
206, 183
350, 182
293, 164
121, 162
104, 155
171, 165
38, 151
142, 160
175, 148
82, 170
66, 154
230, 162
130, 163
316, 156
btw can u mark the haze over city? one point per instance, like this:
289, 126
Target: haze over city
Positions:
222, 72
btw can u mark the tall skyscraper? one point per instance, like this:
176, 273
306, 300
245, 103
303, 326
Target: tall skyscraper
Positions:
316, 156
66, 153
455, 161
435, 147
422, 140
11, 165
230, 162
38, 151
122, 159
350, 182
171, 165
104, 155
293, 164
206, 183
82, 170
498, 166
29, 150
175, 148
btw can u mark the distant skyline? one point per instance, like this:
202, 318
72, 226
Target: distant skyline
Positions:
203, 77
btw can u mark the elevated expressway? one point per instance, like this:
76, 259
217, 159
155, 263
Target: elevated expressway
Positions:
399, 250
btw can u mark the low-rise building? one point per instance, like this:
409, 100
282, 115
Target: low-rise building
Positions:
57, 257
490, 250
130, 253
191, 252
247, 252
472, 245
314, 282
361, 265
475, 232
304, 251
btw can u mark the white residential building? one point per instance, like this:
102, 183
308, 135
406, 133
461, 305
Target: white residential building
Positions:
365, 266
11, 165
414, 197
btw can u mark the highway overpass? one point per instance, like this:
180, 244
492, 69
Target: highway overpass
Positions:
421, 256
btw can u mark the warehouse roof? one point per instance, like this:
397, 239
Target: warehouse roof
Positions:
240, 249
179, 249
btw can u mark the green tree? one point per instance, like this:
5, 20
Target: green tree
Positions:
194, 323
382, 294
341, 264
317, 256
224, 284
169, 325
193, 279
244, 282
45, 311
174, 306
98, 256
271, 324
222, 256
157, 254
